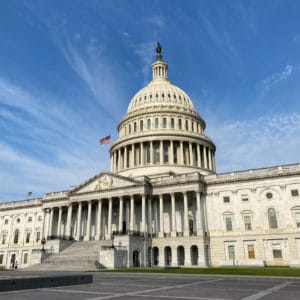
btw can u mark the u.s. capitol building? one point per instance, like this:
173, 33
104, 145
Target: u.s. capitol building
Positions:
162, 203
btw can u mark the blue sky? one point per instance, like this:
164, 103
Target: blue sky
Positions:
68, 70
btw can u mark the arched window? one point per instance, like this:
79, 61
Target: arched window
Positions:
129, 128
164, 122
16, 236
179, 124
149, 123
134, 126
272, 218
156, 122
141, 125
180, 256
172, 123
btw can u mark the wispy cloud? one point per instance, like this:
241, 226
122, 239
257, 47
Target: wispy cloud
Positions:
277, 77
38, 149
266, 141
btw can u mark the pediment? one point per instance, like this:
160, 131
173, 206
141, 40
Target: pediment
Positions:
105, 181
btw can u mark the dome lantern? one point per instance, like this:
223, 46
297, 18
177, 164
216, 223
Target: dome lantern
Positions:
159, 68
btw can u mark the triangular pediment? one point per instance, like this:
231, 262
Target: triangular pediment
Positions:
104, 181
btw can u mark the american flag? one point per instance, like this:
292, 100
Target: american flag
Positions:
105, 140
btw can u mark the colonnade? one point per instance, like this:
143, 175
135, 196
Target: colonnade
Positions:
170, 152
144, 214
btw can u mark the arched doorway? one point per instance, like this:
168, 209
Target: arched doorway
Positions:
194, 255
155, 256
136, 258
180, 256
168, 256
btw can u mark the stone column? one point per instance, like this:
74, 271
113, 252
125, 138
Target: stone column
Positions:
119, 160
109, 218
143, 212
46, 220
198, 215
79, 210
205, 157
171, 158
132, 156
125, 157
151, 152
120, 214
191, 153
59, 221
69, 221
198, 156
209, 159
186, 214
88, 222
181, 153
99, 213
131, 225
50, 222
174, 229
161, 152
142, 153
161, 216
149, 225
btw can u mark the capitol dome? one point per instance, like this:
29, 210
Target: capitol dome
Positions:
161, 131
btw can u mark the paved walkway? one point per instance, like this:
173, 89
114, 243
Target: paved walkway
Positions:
168, 286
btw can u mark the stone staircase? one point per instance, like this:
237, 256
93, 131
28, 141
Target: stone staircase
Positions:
79, 256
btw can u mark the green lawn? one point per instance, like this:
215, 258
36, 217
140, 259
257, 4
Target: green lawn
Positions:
267, 271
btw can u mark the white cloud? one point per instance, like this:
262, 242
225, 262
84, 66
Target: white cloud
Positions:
277, 77
266, 141
43, 147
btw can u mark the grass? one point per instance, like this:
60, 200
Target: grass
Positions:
267, 271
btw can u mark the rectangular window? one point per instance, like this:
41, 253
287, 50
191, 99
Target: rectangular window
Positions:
226, 199
39, 218
156, 153
251, 253
297, 218
231, 252
166, 153
245, 197
247, 221
277, 253
149, 123
186, 125
38, 236
1, 259
294, 193
27, 237
4, 236
29, 219
156, 122
228, 222
6, 221
141, 125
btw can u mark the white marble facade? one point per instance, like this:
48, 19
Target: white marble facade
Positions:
163, 200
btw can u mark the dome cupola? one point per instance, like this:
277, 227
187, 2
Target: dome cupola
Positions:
161, 131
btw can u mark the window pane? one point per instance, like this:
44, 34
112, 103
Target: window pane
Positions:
231, 253
277, 254
251, 253
228, 223
272, 218
247, 221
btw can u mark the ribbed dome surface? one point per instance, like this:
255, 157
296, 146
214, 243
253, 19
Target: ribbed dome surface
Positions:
160, 92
